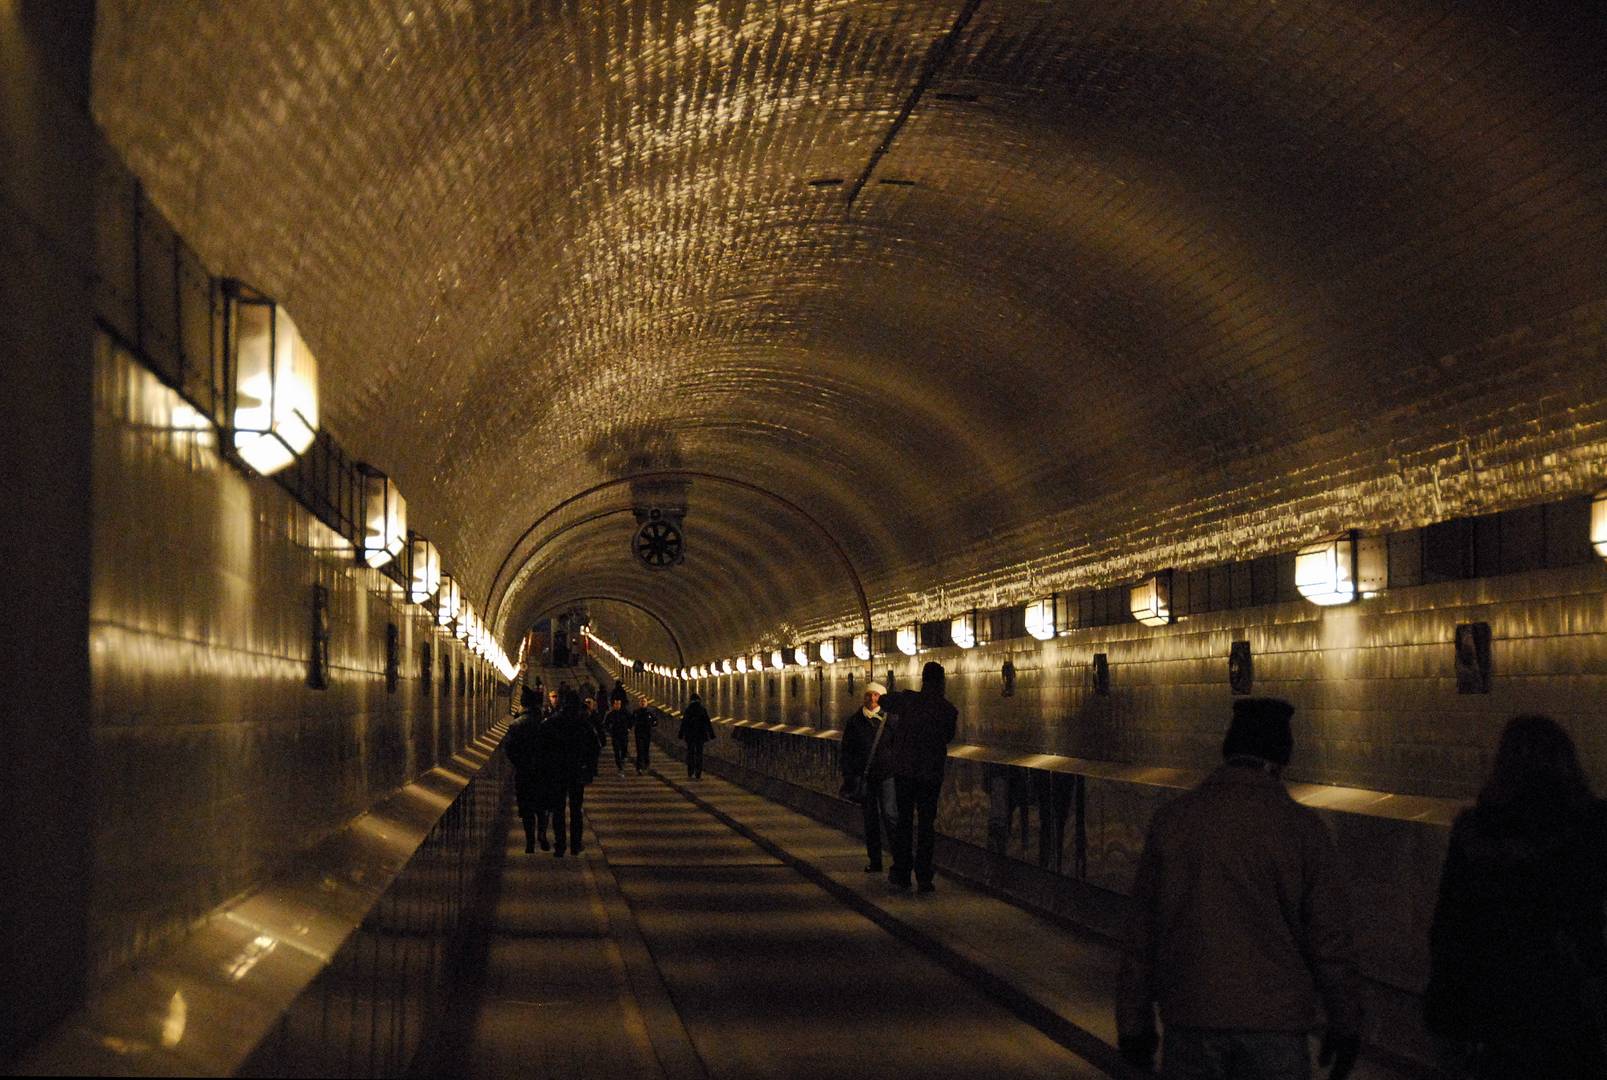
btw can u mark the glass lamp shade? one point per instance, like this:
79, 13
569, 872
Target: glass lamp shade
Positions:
1150, 600
274, 384
384, 517
963, 630
1338, 569
1598, 523
449, 598
776, 659
727, 666
460, 628
426, 570
908, 640
742, 664
800, 655
1041, 618
828, 652
862, 646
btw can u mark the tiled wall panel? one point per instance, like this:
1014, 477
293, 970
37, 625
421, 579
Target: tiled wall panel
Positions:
214, 759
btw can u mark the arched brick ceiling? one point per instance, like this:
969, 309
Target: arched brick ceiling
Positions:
1104, 286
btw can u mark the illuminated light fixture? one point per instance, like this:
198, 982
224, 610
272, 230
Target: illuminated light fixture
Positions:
272, 381
727, 666
742, 664
963, 630
449, 599
828, 651
1041, 618
1150, 600
776, 659
758, 661
862, 646
908, 640
1337, 569
460, 627
1598, 523
426, 570
800, 655
384, 517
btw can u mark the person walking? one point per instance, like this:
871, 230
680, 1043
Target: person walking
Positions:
696, 729
570, 751
923, 727
595, 717
1240, 924
618, 722
868, 772
1517, 962
522, 745
644, 721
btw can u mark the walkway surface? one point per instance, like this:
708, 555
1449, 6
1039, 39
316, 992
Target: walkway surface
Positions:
709, 932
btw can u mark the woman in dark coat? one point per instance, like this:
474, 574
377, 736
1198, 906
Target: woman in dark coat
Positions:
522, 745
1517, 958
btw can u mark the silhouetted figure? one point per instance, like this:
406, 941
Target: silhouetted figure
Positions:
923, 726
522, 745
1518, 966
618, 722
617, 696
696, 729
599, 726
645, 720
1240, 924
867, 764
568, 761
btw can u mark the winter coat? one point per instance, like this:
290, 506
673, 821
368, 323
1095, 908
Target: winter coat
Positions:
1518, 928
1240, 918
645, 721
618, 721
924, 726
859, 732
566, 754
695, 724
522, 746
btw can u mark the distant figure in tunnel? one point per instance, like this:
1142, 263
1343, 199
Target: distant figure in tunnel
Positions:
867, 764
1517, 963
522, 745
696, 729
618, 722
599, 725
1240, 924
645, 720
566, 763
923, 726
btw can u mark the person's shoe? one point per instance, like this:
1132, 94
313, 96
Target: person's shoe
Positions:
926, 886
530, 846
622, 774
898, 884
873, 868
578, 848
542, 840
558, 854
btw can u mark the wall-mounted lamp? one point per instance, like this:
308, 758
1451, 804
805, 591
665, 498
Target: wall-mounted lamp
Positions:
449, 600
800, 655
1041, 618
742, 665
909, 639
757, 663
271, 380
1598, 523
963, 630
728, 666
1338, 569
1150, 600
776, 659
384, 516
862, 646
426, 562
828, 651
460, 626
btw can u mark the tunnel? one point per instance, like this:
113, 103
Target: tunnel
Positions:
367, 363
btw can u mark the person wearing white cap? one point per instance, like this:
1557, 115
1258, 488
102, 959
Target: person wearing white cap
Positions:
868, 773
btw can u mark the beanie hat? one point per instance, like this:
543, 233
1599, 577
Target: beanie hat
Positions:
875, 688
1260, 728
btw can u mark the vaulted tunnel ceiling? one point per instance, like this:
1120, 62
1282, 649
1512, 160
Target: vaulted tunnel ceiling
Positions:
1103, 286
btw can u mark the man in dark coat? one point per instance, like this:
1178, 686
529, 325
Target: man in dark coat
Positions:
1240, 926
924, 726
594, 717
522, 745
569, 745
867, 762
696, 729
618, 722
645, 720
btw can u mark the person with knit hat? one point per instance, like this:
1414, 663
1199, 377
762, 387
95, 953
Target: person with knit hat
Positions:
923, 727
1240, 926
868, 771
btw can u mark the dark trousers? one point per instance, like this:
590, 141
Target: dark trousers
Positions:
917, 827
574, 795
877, 819
621, 746
694, 758
644, 752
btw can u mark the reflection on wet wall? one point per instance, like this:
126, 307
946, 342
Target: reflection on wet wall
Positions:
215, 759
